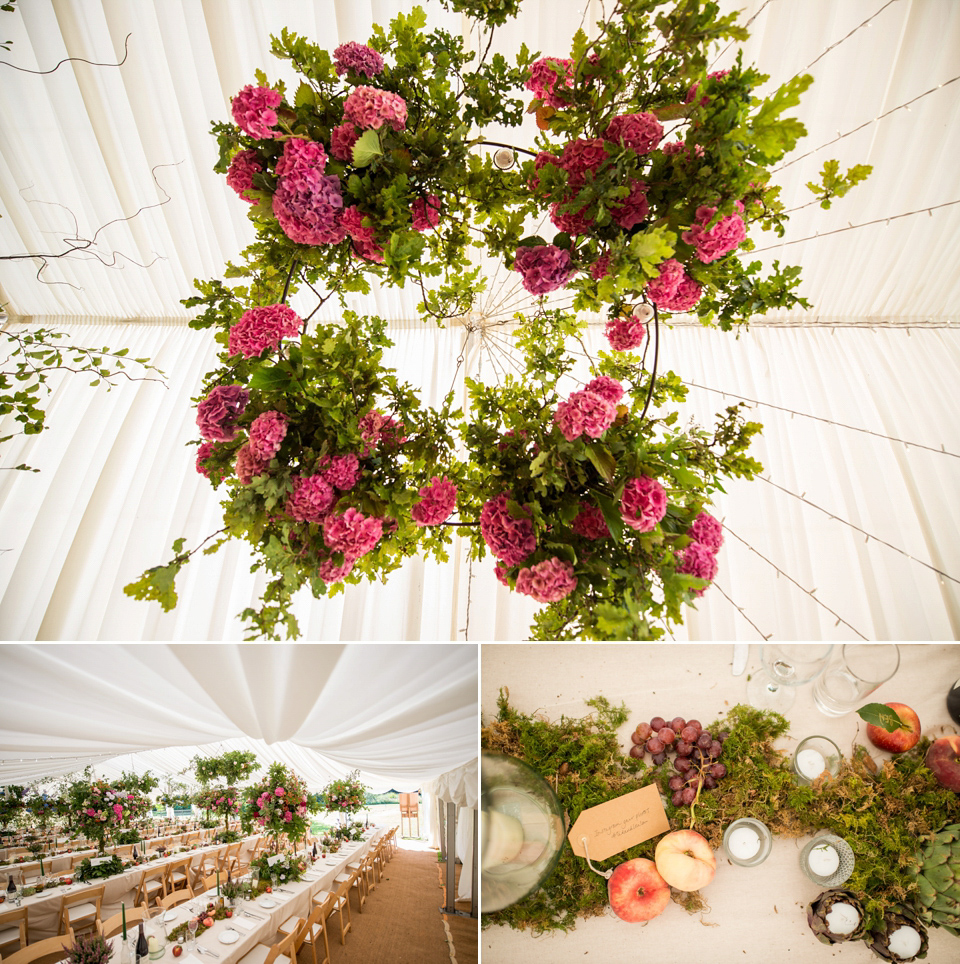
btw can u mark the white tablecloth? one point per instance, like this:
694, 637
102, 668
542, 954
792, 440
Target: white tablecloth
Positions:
756, 915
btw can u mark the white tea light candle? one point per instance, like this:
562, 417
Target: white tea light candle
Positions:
744, 843
823, 860
842, 919
904, 942
811, 763
502, 837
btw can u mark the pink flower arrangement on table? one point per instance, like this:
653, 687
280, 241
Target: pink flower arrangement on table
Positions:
345, 795
279, 802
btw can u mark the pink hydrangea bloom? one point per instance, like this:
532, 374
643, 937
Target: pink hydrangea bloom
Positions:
370, 107
240, 174
342, 139
217, 414
625, 334
684, 298
312, 498
266, 433
352, 533
262, 328
547, 84
301, 156
254, 111
540, 161
359, 58
679, 147
364, 244
204, 451
640, 132
437, 502
590, 522
501, 573
308, 206
719, 240
510, 540
571, 222
643, 503
665, 285
426, 213
692, 92
341, 471
698, 560
708, 531
634, 208
376, 428
547, 581
584, 413
606, 387
545, 268
583, 155
330, 572
248, 465
601, 267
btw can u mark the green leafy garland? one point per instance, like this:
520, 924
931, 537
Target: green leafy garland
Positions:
882, 813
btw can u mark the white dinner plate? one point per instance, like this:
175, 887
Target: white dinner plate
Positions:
267, 902
229, 937
171, 915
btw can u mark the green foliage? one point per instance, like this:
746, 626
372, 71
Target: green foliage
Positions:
833, 184
232, 767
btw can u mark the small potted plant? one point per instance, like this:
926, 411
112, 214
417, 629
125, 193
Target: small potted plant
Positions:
90, 949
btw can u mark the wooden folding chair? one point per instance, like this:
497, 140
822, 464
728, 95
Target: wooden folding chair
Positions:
178, 875
113, 925
81, 910
354, 878
153, 884
310, 930
280, 953
13, 928
339, 904
43, 952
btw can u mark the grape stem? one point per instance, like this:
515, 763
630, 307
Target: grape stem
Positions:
696, 799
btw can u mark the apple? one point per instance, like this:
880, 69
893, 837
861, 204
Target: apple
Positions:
943, 758
636, 890
685, 860
901, 739
229, 912
177, 950
208, 922
269, 889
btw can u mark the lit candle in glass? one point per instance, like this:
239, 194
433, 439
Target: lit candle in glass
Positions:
814, 756
810, 763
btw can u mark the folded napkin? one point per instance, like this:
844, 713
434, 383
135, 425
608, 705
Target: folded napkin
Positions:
191, 959
244, 923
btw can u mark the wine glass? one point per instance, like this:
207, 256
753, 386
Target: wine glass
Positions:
192, 926
784, 669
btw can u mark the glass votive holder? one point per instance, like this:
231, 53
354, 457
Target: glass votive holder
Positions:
814, 755
747, 842
827, 860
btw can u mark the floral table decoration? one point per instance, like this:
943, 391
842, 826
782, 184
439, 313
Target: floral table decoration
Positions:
278, 805
649, 173
345, 796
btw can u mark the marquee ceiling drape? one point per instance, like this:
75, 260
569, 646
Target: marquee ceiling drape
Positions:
852, 536
401, 714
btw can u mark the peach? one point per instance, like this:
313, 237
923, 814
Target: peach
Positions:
685, 860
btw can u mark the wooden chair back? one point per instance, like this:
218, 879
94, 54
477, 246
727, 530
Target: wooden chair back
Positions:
283, 948
341, 903
146, 893
16, 918
90, 895
43, 952
313, 928
114, 925
179, 875
173, 898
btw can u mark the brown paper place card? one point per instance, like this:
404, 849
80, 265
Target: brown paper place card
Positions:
617, 825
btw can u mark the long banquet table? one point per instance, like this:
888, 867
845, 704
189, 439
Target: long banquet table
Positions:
754, 915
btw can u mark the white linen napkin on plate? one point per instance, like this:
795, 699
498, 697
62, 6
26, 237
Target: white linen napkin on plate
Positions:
247, 925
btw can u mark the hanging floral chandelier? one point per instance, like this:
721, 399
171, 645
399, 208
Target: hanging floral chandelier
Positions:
646, 174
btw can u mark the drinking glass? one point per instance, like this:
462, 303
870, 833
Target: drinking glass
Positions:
853, 673
192, 926
784, 669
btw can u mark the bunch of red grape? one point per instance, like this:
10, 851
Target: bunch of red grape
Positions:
698, 752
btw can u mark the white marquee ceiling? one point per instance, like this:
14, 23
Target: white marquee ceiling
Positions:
879, 351
401, 714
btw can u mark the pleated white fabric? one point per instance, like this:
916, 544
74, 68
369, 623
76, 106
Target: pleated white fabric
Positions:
401, 714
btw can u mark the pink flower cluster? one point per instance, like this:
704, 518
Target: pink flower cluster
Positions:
437, 502
540, 161
697, 560
358, 58
240, 173
707, 530
308, 207
351, 533
692, 92
581, 156
643, 503
719, 240
634, 208
363, 237
547, 581
254, 111
342, 139
640, 132
301, 157
370, 107
248, 465
601, 267
584, 413
217, 414
674, 289
571, 222
510, 540
426, 213
341, 471
376, 428
545, 268
606, 387
312, 498
330, 571
547, 83
679, 147
204, 451
266, 433
625, 334
590, 522
262, 328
